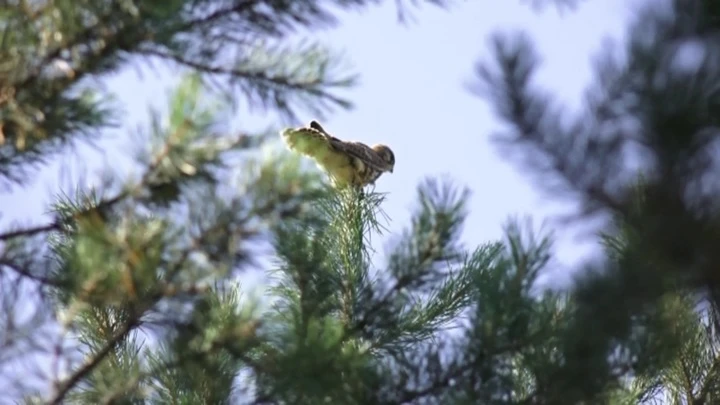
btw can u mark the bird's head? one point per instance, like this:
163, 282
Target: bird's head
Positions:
387, 155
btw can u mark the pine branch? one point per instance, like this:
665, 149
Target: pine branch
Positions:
146, 182
29, 231
455, 373
46, 281
238, 8
160, 291
219, 344
94, 361
646, 117
542, 137
58, 224
91, 32
260, 77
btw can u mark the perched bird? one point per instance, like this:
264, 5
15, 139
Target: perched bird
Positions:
347, 163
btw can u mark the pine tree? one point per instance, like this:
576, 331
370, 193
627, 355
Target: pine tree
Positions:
132, 288
129, 287
134, 284
642, 151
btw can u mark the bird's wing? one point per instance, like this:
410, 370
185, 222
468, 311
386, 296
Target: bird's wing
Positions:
307, 141
360, 151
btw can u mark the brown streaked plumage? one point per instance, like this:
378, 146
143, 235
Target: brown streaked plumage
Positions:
348, 163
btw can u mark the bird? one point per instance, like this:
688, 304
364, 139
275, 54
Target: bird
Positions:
348, 163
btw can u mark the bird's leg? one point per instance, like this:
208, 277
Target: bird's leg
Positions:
361, 193
372, 189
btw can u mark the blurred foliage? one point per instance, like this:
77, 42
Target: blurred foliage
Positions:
642, 153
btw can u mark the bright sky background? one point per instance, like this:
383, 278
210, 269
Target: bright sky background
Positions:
412, 96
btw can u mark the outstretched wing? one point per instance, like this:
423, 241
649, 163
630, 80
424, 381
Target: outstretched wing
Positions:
308, 141
324, 150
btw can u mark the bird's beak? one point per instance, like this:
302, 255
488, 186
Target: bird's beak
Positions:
391, 170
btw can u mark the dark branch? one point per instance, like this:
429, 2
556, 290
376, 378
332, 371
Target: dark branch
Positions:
260, 77
27, 274
30, 231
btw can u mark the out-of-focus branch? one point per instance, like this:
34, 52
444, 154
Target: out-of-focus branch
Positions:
258, 76
91, 363
27, 274
29, 231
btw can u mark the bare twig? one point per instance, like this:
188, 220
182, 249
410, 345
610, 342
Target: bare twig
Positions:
30, 231
27, 274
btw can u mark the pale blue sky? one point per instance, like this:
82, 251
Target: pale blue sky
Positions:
412, 97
